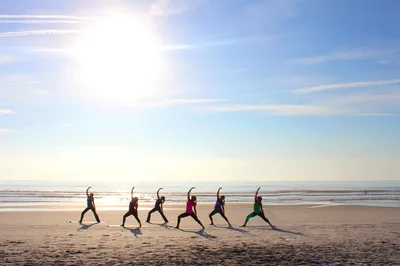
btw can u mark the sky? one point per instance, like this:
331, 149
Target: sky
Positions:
199, 90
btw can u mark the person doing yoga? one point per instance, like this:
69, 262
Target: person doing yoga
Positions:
258, 210
133, 210
90, 206
190, 210
158, 207
219, 208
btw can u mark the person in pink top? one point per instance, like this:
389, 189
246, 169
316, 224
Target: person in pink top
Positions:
190, 210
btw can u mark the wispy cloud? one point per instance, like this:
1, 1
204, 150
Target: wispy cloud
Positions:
298, 110
384, 53
301, 110
16, 80
5, 111
36, 32
4, 58
171, 7
372, 97
5, 130
222, 42
342, 86
63, 17
41, 21
178, 101
343, 55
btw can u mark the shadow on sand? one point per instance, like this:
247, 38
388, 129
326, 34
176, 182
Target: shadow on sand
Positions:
232, 228
86, 226
237, 229
277, 230
201, 233
134, 231
165, 225
287, 231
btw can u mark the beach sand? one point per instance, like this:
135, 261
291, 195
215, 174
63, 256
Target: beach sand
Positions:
305, 235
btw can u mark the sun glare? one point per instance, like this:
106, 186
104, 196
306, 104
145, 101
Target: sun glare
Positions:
119, 60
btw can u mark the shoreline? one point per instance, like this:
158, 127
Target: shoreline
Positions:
174, 206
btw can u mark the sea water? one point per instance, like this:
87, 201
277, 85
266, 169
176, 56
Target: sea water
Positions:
57, 195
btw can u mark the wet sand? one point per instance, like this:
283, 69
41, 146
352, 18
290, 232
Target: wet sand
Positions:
304, 235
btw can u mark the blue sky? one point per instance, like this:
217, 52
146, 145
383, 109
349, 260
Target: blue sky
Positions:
200, 89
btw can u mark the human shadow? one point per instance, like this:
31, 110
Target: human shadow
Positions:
230, 227
199, 233
86, 226
237, 229
202, 233
274, 228
134, 231
286, 231
165, 225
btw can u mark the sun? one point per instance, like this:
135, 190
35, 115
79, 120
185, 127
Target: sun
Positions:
119, 60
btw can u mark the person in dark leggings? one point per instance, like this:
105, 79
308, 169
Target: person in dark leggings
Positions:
158, 207
219, 208
190, 210
90, 206
133, 210
258, 210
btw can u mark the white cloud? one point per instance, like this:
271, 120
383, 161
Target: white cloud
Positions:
220, 43
372, 97
383, 53
41, 21
170, 7
36, 32
62, 17
341, 86
5, 111
4, 58
343, 55
41, 92
299, 110
5, 130
16, 80
302, 110
178, 101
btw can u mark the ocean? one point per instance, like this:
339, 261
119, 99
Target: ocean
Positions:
64, 195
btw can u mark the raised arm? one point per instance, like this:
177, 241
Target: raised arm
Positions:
256, 195
87, 191
158, 193
218, 192
188, 195
132, 192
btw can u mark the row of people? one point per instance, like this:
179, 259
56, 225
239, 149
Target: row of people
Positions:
190, 209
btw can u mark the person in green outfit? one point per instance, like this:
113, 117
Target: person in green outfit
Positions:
258, 210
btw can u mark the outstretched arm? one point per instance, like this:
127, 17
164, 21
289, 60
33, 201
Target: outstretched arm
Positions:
87, 191
158, 193
132, 192
218, 192
188, 195
256, 195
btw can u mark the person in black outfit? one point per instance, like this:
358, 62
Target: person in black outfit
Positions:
158, 207
133, 210
90, 206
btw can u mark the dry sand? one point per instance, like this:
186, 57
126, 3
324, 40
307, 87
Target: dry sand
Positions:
336, 235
